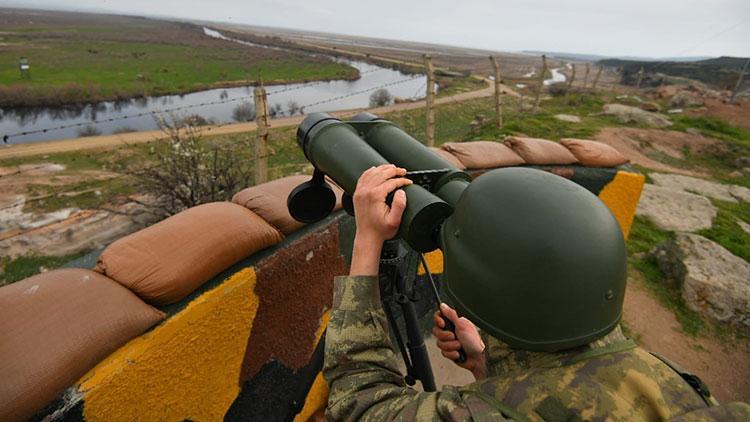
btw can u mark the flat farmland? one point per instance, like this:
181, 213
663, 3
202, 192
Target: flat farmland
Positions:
80, 58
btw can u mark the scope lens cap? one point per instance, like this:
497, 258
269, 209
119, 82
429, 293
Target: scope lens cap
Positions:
311, 202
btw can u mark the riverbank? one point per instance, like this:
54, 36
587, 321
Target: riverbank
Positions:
113, 141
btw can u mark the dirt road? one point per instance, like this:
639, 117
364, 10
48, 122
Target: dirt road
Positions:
111, 141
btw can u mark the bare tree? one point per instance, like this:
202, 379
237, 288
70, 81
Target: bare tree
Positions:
188, 171
244, 112
380, 98
293, 107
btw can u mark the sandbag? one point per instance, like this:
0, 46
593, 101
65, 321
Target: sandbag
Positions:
483, 154
594, 154
56, 326
268, 200
167, 261
540, 151
450, 158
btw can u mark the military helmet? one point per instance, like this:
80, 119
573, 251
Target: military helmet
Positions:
534, 260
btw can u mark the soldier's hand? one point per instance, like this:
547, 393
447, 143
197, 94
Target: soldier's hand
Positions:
468, 339
376, 221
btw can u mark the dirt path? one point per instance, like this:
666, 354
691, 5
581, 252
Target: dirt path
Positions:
724, 366
111, 141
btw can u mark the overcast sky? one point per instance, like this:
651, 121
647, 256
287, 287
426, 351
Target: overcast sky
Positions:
653, 28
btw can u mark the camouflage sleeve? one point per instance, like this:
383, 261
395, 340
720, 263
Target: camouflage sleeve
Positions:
361, 368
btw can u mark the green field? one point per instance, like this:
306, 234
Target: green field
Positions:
76, 58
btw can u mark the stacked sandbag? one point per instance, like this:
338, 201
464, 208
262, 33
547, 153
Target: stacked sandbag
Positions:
448, 157
167, 261
268, 200
594, 154
540, 151
56, 326
483, 154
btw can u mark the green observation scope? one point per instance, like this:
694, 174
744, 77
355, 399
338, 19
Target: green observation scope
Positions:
532, 258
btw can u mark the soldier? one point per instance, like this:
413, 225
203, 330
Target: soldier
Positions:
598, 376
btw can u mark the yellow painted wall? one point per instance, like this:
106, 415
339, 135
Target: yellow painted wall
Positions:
189, 366
621, 196
186, 368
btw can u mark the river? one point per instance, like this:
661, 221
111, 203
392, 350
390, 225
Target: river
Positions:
214, 105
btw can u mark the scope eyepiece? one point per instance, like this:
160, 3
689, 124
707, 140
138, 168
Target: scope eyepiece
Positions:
309, 126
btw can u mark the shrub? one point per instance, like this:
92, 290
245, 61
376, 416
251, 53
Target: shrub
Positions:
558, 89
124, 129
188, 171
244, 112
292, 107
89, 130
380, 98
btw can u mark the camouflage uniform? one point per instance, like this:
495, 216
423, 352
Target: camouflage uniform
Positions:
609, 378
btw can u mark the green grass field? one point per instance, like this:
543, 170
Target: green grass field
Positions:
90, 60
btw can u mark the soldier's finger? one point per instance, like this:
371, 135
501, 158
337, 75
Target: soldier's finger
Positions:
439, 321
449, 345
449, 313
390, 185
385, 172
450, 355
397, 209
442, 335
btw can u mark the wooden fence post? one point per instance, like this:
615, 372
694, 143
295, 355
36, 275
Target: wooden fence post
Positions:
596, 78
430, 100
261, 143
572, 76
540, 85
586, 76
498, 109
640, 78
740, 79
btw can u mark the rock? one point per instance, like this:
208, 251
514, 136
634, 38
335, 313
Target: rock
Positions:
675, 210
674, 111
82, 231
568, 118
686, 99
667, 91
714, 282
745, 227
628, 114
693, 131
651, 107
729, 193
736, 174
742, 162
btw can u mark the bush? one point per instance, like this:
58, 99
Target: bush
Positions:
292, 107
124, 129
244, 112
89, 130
558, 89
380, 98
188, 172
193, 120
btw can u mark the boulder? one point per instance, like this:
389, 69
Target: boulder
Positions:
675, 210
714, 282
687, 99
656, 108
628, 114
568, 118
729, 193
745, 227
